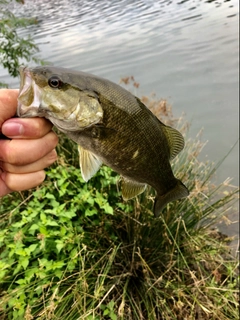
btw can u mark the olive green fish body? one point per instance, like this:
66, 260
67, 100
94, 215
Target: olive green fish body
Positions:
110, 125
129, 147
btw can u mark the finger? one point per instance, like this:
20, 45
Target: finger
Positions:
32, 167
3, 187
33, 128
8, 104
4, 190
20, 182
21, 152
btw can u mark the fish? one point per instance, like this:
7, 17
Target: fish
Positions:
110, 125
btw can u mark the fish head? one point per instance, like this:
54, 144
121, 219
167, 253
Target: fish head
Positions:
52, 93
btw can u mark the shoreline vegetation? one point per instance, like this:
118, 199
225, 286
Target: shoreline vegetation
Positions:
74, 250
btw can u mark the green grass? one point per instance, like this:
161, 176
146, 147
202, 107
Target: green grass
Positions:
74, 250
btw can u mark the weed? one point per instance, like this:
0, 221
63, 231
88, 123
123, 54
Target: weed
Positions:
75, 250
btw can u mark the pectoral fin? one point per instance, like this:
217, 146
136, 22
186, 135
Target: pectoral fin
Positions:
175, 140
89, 163
131, 189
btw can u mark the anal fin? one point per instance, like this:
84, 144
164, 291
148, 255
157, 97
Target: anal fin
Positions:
131, 189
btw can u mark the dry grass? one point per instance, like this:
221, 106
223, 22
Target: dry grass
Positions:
131, 266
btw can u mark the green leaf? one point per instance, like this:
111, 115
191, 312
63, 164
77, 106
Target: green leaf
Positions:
113, 316
31, 248
90, 212
43, 217
58, 273
17, 269
68, 214
73, 253
29, 273
107, 208
21, 281
41, 274
58, 265
21, 252
54, 204
59, 245
106, 312
19, 224
110, 305
43, 230
2, 274
33, 228
52, 223
49, 196
24, 262
71, 265
12, 302
63, 231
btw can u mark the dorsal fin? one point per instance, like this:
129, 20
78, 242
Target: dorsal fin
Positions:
89, 163
175, 140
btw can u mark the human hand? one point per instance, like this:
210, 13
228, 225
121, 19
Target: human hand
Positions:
30, 150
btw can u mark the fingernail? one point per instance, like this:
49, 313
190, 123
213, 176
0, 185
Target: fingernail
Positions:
12, 129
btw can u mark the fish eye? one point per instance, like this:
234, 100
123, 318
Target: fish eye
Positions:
55, 82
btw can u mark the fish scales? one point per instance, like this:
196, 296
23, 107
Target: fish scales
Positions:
110, 126
120, 146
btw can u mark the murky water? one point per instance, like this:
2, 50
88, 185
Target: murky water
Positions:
185, 51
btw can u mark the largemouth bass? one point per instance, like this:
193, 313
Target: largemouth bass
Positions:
110, 126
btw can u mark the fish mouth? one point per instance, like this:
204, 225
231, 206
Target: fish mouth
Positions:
29, 96
37, 99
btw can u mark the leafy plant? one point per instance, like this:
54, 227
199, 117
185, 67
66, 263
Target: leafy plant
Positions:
14, 50
74, 250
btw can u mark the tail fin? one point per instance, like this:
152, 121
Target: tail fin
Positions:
178, 192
